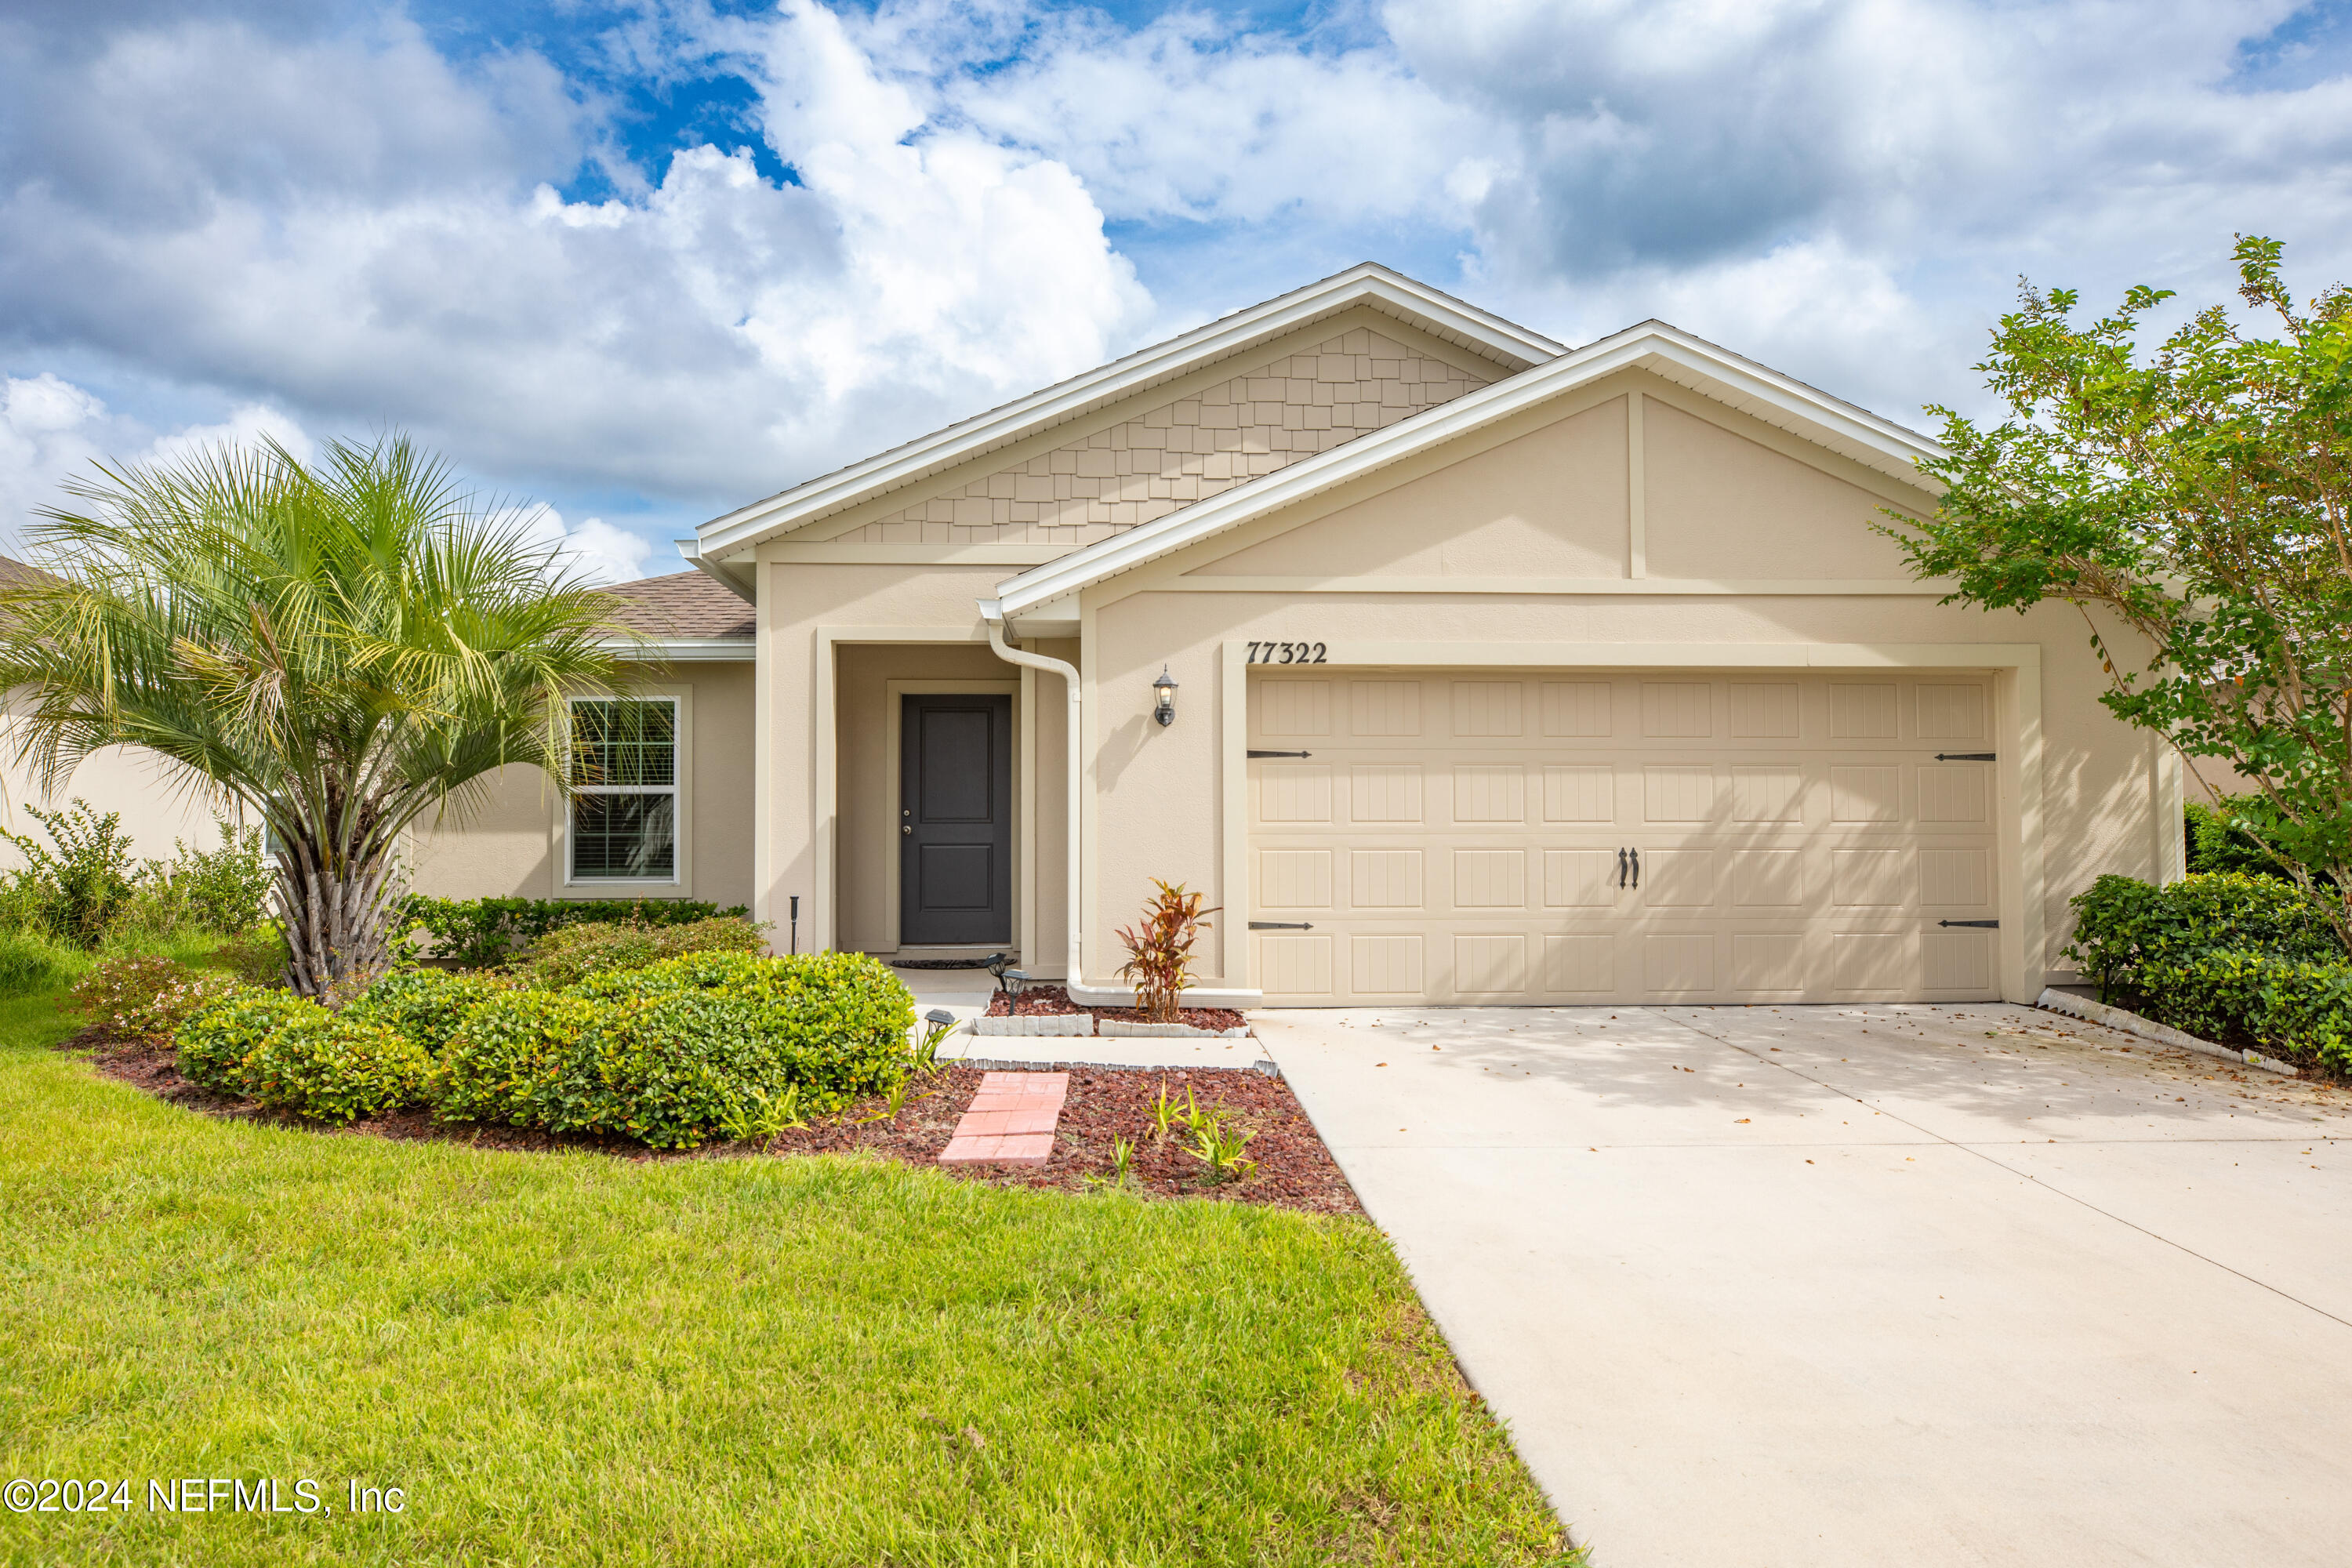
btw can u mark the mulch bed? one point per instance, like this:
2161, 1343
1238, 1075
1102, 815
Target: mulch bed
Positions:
1053, 1002
1294, 1170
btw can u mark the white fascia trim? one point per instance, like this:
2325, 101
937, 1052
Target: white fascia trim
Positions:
1650, 341
1367, 283
689, 650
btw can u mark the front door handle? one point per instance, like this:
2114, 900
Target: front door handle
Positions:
905, 830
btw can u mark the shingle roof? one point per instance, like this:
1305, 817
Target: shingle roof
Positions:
17, 574
692, 605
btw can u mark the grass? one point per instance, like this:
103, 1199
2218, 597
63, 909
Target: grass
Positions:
570, 1358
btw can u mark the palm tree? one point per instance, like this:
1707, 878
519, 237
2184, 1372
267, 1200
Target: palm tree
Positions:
343, 645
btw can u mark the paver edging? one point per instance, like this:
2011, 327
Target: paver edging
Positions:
2055, 1001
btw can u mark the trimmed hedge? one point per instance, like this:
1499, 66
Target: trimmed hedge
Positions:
425, 1004
214, 1044
572, 954
332, 1068
672, 1054
509, 1061
2232, 957
479, 932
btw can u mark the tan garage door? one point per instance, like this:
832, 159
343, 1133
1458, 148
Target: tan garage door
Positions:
1566, 837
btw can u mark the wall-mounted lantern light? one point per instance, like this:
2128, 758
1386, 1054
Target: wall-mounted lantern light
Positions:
1165, 688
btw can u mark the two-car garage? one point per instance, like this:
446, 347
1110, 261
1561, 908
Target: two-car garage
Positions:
1588, 837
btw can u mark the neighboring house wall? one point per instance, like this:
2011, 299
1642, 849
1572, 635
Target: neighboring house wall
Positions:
157, 805
507, 840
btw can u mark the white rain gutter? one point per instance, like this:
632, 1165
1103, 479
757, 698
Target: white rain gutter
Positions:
993, 614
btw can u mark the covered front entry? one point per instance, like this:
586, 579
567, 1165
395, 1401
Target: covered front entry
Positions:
1589, 837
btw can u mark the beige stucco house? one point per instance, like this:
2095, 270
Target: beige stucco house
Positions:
1501, 672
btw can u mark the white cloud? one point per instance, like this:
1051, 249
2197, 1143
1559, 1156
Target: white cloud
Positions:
594, 551
357, 231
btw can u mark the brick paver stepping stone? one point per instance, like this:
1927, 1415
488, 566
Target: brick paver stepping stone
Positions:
1010, 1122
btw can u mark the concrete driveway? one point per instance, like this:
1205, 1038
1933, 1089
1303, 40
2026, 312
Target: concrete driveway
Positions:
1881, 1286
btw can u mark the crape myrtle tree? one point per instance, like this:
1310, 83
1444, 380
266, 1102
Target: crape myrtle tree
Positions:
344, 645
2196, 496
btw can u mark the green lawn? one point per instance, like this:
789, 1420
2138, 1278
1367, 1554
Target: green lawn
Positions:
575, 1358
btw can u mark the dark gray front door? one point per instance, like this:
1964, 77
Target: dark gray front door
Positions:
955, 821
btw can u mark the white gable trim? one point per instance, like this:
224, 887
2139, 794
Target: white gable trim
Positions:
1654, 346
1441, 315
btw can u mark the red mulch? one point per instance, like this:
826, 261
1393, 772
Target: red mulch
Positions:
1294, 1170
1053, 1002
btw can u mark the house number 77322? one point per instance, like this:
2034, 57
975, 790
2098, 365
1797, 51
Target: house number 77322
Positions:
1286, 652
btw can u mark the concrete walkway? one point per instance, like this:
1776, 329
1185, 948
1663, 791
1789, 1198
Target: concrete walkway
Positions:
1869, 1285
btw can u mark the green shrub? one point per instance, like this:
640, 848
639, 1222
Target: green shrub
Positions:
76, 892
511, 1057
225, 891
255, 958
683, 1049
214, 1043
30, 963
335, 1069
145, 995
478, 932
425, 1004
572, 953
2123, 924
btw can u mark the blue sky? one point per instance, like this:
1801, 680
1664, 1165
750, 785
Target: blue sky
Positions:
644, 260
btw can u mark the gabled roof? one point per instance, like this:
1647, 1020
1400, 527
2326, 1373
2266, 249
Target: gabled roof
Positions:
1511, 347
1655, 346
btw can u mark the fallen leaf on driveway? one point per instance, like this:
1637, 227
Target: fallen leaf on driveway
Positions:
1741, 1120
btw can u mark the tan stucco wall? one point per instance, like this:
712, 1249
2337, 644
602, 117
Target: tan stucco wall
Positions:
502, 842
159, 803
1724, 503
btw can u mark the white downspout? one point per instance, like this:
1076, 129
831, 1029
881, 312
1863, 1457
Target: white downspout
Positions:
994, 617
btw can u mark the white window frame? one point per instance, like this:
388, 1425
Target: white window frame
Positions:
679, 789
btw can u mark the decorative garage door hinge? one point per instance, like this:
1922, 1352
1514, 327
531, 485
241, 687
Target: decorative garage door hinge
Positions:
1280, 754
1282, 925
1967, 756
1980, 925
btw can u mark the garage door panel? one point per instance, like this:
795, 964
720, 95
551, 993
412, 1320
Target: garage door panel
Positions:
1580, 963
1294, 793
1579, 792
1294, 879
1768, 879
1490, 879
1385, 879
1767, 960
1577, 709
1579, 878
1456, 836
1384, 709
1493, 963
1768, 792
1871, 792
1677, 792
1490, 791
1387, 965
1678, 962
1384, 793
1679, 879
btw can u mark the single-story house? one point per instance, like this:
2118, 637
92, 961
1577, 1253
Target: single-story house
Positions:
1452, 665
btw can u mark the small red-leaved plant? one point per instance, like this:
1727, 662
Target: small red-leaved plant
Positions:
1160, 951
